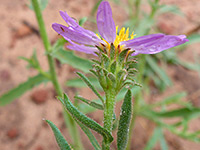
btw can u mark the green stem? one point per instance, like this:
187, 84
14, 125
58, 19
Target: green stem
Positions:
130, 7
54, 76
154, 9
68, 119
41, 25
137, 8
108, 115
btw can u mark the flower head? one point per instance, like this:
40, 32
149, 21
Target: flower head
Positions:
86, 41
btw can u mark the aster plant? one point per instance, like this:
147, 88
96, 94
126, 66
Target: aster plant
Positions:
114, 70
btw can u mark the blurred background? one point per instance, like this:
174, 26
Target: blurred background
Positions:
175, 72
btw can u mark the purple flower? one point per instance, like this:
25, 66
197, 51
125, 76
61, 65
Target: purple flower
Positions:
86, 41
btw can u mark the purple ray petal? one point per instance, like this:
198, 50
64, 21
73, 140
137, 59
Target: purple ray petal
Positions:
70, 21
154, 43
78, 36
81, 48
105, 23
142, 40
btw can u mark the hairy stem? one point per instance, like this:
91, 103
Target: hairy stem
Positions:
68, 119
108, 115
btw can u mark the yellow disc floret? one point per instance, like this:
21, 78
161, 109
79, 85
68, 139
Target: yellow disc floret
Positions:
123, 35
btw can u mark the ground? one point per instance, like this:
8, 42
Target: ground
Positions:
21, 124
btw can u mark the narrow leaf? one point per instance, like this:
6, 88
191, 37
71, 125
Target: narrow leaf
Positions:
105, 60
170, 8
185, 112
153, 139
96, 61
58, 44
21, 89
78, 83
62, 143
124, 122
68, 57
91, 137
84, 119
174, 129
182, 112
87, 81
163, 143
91, 103
161, 73
111, 77
101, 76
113, 67
171, 99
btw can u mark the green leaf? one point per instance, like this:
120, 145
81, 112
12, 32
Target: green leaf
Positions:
82, 21
188, 113
163, 143
171, 99
84, 119
21, 89
171, 57
87, 109
62, 143
175, 128
182, 112
105, 60
111, 76
78, 83
33, 61
158, 83
170, 8
101, 76
42, 3
91, 137
187, 65
124, 122
113, 67
91, 103
58, 44
87, 81
68, 57
161, 73
154, 139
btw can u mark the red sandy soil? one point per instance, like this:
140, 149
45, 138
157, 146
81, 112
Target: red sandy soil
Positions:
21, 125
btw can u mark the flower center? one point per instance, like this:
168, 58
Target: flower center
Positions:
123, 35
